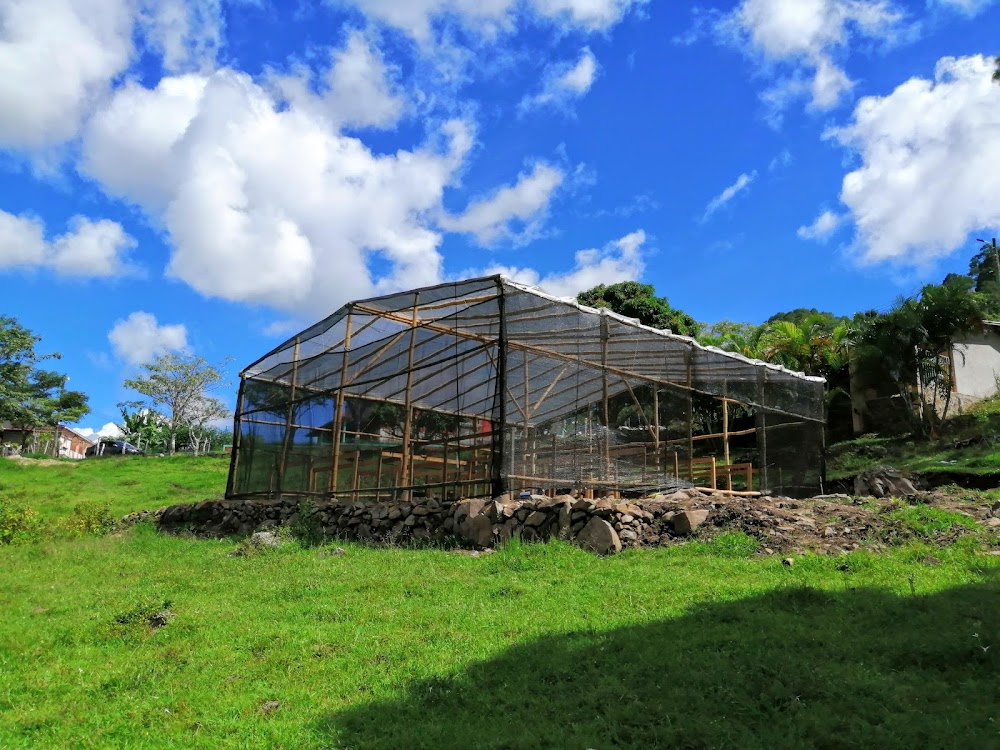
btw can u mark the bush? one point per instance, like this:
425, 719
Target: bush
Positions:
18, 523
87, 518
307, 529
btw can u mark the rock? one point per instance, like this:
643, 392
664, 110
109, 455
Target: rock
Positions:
266, 539
477, 530
687, 521
269, 707
627, 535
599, 536
564, 523
788, 562
494, 511
883, 482
993, 522
160, 619
537, 518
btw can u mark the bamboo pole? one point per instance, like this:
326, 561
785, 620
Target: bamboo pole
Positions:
234, 459
285, 443
725, 435
338, 409
605, 335
407, 467
690, 417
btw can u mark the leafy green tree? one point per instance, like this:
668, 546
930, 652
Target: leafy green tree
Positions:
911, 345
31, 397
984, 268
811, 346
741, 338
143, 427
635, 300
179, 387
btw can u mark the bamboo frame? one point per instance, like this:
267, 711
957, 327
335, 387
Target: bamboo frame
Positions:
543, 398
407, 462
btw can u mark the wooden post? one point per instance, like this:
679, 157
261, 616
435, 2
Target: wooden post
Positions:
762, 428
407, 469
725, 437
357, 459
605, 335
677, 465
338, 407
234, 458
378, 483
714, 475
656, 423
690, 415
283, 464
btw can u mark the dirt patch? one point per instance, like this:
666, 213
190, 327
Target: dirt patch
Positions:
837, 524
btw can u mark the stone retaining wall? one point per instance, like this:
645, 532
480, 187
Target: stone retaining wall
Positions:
603, 526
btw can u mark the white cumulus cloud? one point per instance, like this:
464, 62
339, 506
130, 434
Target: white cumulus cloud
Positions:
801, 42
89, 249
928, 154
140, 338
490, 17
516, 210
742, 184
822, 228
621, 260
272, 205
564, 82
56, 58
358, 88
186, 33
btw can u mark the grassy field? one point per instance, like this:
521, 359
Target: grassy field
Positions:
699, 646
122, 484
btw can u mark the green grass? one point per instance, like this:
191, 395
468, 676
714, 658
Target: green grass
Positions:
851, 457
122, 484
703, 645
532, 647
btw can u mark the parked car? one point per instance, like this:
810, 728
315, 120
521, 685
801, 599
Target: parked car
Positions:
114, 448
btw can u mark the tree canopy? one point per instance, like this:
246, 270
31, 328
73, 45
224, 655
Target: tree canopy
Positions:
635, 300
180, 389
30, 396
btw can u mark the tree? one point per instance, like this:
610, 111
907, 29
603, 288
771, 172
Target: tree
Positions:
29, 396
814, 345
911, 345
996, 74
143, 427
741, 338
984, 268
179, 387
635, 300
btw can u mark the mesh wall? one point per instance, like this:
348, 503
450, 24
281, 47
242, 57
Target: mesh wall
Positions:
485, 386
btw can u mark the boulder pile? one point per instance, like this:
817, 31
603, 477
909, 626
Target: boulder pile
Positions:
829, 524
602, 526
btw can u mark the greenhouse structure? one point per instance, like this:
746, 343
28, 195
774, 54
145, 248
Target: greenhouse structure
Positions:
487, 386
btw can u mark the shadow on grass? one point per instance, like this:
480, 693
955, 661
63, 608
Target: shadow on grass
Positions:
796, 668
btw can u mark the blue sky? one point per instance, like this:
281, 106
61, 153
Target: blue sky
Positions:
209, 176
